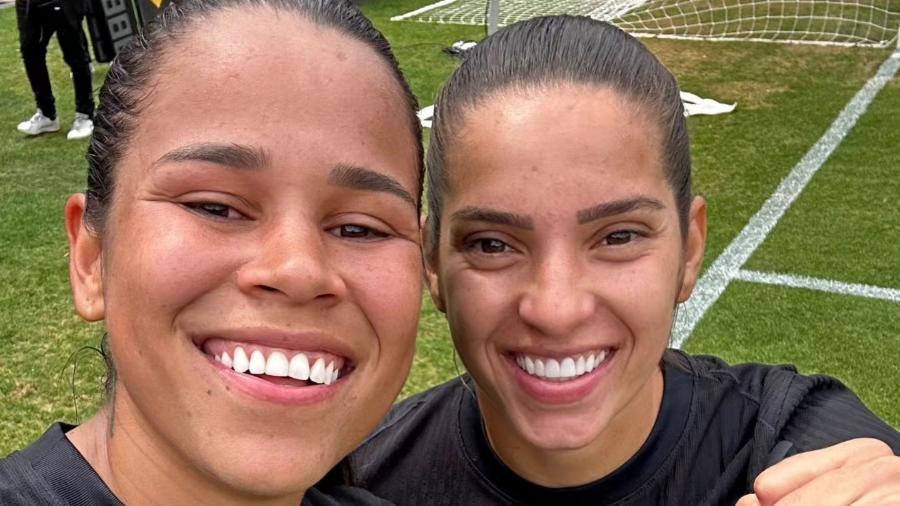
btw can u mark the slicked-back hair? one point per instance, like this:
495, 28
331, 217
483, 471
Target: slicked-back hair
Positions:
552, 51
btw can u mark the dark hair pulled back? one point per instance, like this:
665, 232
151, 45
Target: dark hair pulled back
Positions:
558, 50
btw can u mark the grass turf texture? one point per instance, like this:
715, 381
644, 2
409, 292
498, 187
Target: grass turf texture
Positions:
787, 96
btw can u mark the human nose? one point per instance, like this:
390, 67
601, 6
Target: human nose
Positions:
292, 261
558, 300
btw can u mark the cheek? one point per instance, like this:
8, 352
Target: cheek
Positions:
167, 263
644, 297
478, 305
387, 285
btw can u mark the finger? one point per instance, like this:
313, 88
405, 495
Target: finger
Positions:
748, 500
794, 472
852, 484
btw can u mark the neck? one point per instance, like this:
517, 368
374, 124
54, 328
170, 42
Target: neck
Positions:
620, 440
140, 468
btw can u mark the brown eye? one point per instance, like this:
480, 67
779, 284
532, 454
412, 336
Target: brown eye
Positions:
491, 246
214, 209
620, 237
352, 231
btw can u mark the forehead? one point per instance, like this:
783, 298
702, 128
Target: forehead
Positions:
586, 141
274, 79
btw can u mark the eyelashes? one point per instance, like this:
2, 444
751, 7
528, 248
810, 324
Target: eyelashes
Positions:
215, 210
358, 232
494, 246
488, 246
353, 231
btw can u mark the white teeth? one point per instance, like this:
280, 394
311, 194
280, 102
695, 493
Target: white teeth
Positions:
529, 365
277, 364
257, 362
564, 369
329, 373
299, 367
317, 373
241, 362
551, 368
600, 358
567, 368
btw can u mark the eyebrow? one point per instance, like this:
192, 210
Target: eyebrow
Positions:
237, 156
494, 216
359, 178
607, 209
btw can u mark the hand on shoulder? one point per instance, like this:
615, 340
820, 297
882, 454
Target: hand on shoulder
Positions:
856, 472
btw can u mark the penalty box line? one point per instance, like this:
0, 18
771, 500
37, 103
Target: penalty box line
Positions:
818, 284
727, 266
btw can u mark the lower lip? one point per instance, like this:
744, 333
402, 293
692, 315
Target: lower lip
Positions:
261, 389
559, 392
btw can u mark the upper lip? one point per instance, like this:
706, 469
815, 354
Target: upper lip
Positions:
280, 338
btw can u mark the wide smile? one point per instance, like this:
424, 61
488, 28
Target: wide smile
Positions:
278, 374
560, 378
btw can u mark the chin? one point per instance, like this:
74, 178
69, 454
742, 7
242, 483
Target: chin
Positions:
560, 433
271, 469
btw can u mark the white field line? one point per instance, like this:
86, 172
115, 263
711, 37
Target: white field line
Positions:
427, 8
823, 285
724, 269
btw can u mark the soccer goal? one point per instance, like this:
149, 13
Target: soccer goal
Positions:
874, 23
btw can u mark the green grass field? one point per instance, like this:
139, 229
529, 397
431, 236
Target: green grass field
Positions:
845, 226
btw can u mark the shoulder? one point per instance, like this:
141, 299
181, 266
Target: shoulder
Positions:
427, 411
52, 471
20, 483
808, 411
417, 455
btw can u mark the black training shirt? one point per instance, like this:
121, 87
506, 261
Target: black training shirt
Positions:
52, 472
719, 426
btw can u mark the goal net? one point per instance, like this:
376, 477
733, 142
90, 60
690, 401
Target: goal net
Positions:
826, 22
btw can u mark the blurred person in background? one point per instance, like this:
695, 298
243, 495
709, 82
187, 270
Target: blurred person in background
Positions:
38, 20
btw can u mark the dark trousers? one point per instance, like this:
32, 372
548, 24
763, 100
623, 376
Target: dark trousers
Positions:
38, 20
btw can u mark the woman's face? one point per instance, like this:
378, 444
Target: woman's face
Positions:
560, 262
265, 209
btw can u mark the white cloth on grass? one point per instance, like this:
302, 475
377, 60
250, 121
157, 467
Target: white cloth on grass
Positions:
693, 105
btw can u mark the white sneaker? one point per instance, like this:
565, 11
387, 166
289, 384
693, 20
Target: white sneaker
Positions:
39, 124
81, 128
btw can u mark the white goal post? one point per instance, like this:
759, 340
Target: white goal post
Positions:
873, 23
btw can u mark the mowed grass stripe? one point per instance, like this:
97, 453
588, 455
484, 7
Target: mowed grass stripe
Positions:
852, 338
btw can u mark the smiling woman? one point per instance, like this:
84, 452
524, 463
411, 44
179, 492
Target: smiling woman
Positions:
562, 234
249, 236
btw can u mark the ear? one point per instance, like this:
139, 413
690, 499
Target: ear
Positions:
430, 256
694, 246
85, 262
